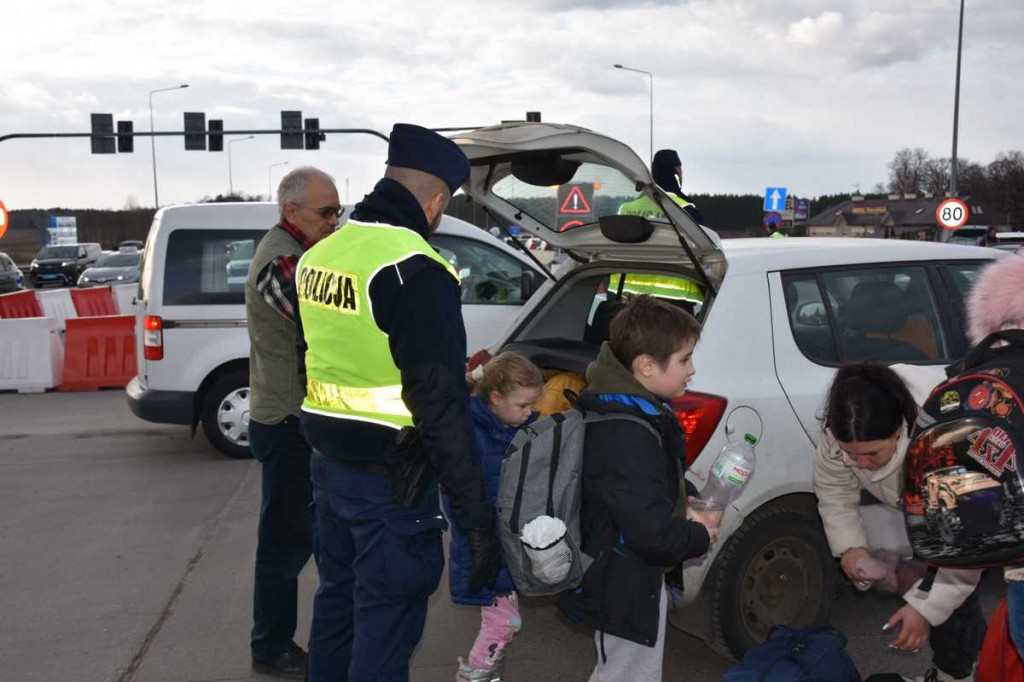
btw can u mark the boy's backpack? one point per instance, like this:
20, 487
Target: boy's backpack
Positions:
963, 493
542, 475
811, 654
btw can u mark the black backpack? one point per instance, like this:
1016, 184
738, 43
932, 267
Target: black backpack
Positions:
963, 494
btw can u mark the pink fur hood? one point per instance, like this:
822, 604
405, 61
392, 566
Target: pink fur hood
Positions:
997, 298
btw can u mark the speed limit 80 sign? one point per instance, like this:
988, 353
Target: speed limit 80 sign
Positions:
951, 214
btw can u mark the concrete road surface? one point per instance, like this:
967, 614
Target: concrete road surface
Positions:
126, 555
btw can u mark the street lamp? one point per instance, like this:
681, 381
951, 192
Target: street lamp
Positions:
270, 184
651, 76
152, 138
956, 104
231, 179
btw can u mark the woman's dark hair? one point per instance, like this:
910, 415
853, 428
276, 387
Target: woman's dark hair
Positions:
867, 402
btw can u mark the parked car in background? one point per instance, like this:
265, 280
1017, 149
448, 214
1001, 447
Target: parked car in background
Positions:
61, 265
1009, 241
11, 277
972, 236
130, 244
192, 343
778, 317
113, 268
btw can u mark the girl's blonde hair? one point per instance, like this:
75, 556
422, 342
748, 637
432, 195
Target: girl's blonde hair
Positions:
504, 373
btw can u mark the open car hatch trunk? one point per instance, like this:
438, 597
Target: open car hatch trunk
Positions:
559, 181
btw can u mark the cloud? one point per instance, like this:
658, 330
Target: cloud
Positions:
814, 31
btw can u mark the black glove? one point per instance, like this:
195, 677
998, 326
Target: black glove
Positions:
483, 545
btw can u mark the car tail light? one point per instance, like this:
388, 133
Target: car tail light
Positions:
481, 357
153, 337
698, 414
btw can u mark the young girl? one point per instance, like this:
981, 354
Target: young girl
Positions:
869, 412
504, 392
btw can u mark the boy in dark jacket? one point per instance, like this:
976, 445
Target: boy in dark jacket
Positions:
634, 517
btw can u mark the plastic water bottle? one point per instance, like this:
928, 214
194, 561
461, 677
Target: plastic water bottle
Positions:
730, 472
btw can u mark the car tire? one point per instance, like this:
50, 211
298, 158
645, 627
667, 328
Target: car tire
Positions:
775, 569
225, 414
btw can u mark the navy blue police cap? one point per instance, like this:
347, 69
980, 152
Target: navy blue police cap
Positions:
424, 150
669, 157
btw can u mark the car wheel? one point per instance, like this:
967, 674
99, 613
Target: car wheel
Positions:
950, 525
225, 414
776, 569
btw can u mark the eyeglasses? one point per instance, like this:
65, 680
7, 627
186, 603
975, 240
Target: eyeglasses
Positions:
327, 211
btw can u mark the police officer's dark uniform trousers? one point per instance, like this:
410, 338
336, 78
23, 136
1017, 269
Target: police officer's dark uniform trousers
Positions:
385, 348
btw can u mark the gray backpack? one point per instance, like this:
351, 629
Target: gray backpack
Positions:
542, 475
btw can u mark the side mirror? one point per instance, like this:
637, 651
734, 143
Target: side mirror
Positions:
529, 282
812, 314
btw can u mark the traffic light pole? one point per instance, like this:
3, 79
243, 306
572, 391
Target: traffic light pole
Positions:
182, 133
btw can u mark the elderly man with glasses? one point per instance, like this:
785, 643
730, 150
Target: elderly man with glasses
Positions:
308, 202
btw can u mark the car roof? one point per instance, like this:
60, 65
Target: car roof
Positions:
768, 255
250, 215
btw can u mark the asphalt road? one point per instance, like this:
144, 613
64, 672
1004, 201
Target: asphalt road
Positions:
126, 555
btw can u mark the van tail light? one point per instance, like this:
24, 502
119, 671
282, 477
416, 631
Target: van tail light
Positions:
153, 337
698, 414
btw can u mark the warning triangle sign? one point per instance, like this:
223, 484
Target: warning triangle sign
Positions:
575, 202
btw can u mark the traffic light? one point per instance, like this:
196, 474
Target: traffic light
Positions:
216, 136
314, 139
195, 131
125, 141
102, 124
291, 121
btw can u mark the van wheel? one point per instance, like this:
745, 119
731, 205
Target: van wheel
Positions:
776, 569
225, 414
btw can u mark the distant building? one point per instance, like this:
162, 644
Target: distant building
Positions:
896, 218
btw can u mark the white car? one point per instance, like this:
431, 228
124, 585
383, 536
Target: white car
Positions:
778, 315
191, 337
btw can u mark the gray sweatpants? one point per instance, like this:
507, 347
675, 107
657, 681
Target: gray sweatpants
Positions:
629, 661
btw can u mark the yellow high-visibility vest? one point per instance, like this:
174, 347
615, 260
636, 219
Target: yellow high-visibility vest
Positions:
350, 373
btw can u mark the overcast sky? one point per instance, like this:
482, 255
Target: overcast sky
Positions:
810, 94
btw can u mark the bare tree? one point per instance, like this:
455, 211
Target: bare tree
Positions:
906, 170
1006, 183
935, 176
131, 203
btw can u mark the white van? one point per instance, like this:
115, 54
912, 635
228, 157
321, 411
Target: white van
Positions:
192, 342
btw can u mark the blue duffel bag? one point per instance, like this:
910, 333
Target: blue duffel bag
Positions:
811, 654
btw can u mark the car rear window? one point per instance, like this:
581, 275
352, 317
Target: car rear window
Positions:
119, 260
208, 267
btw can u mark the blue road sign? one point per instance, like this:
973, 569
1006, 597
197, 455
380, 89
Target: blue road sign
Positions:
800, 211
772, 221
775, 198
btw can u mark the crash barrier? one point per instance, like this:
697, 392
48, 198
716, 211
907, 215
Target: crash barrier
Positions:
19, 304
100, 352
94, 302
124, 298
58, 305
31, 355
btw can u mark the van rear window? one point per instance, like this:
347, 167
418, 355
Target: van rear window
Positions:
208, 267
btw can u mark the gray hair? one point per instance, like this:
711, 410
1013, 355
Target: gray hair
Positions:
292, 189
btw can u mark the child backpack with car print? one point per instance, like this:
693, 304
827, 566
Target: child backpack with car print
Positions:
963, 495
541, 479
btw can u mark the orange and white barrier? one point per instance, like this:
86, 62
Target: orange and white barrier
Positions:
57, 304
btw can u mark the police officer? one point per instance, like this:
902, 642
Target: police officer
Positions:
385, 351
667, 173
308, 202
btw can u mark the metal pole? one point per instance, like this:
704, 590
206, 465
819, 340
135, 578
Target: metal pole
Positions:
651, 76
152, 139
231, 180
956, 104
270, 183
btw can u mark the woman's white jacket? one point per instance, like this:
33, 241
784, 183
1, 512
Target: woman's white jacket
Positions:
837, 484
